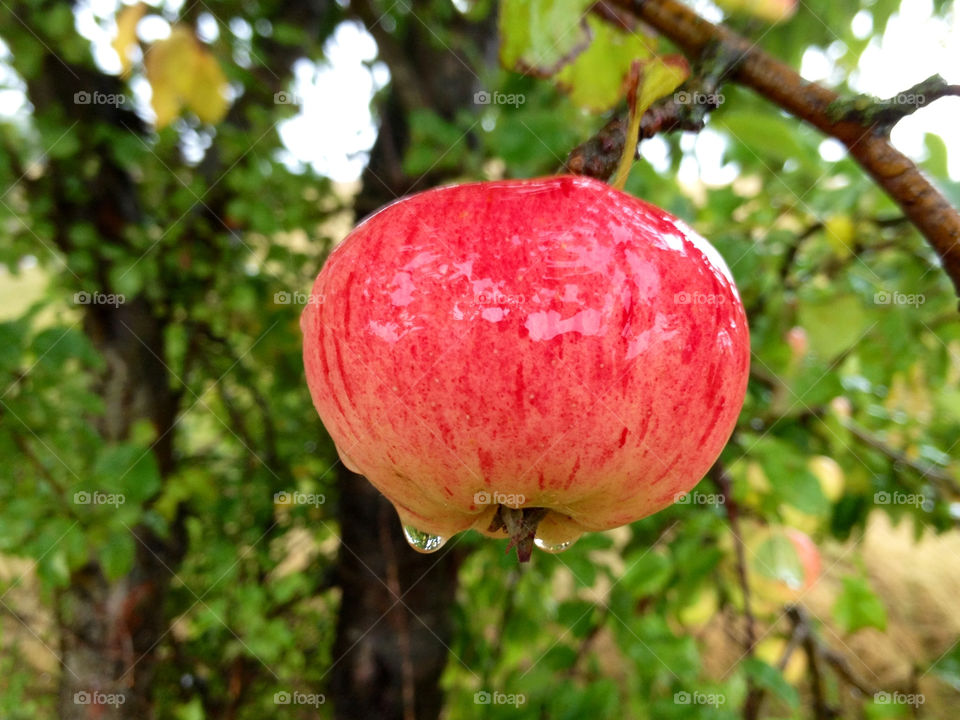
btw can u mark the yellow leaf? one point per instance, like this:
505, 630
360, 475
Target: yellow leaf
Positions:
841, 233
126, 38
207, 97
183, 74
661, 76
649, 80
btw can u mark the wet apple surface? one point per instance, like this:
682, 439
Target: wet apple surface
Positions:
550, 344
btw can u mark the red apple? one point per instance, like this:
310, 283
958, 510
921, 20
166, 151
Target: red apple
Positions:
552, 346
809, 555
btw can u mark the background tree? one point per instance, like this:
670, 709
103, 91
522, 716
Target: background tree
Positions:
175, 527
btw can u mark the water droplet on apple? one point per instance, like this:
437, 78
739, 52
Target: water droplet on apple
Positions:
554, 549
423, 541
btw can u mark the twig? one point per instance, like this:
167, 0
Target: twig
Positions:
687, 110
926, 207
723, 481
587, 642
925, 469
887, 113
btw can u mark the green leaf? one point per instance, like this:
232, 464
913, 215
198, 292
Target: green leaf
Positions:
833, 324
647, 573
435, 144
763, 135
117, 554
790, 476
128, 470
541, 36
859, 607
53, 570
769, 678
596, 79
126, 278
936, 162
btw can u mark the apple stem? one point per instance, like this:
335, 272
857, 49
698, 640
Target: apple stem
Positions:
521, 526
633, 128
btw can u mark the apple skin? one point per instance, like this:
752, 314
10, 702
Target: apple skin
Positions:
554, 340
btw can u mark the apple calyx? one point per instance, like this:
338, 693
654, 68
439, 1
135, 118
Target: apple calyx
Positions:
521, 526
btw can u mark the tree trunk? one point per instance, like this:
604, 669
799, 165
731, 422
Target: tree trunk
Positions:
394, 625
395, 620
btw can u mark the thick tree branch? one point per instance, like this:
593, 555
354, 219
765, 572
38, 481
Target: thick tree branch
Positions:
867, 143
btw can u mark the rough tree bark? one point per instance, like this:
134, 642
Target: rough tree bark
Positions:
389, 654
109, 629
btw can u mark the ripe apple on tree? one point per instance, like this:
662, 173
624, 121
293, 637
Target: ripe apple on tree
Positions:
531, 358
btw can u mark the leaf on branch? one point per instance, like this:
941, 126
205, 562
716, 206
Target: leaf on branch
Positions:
539, 37
859, 607
773, 11
597, 79
648, 81
183, 74
126, 38
659, 76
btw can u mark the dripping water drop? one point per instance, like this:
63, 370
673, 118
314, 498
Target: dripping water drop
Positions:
423, 541
555, 548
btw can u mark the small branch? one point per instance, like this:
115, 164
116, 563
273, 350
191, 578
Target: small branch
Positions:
821, 709
724, 483
870, 111
509, 605
925, 469
686, 109
587, 642
926, 207
842, 668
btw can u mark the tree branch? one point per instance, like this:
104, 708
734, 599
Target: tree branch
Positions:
724, 483
869, 110
926, 470
867, 143
685, 110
